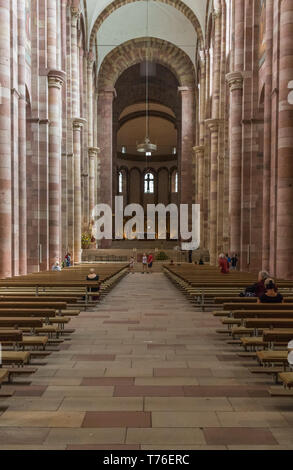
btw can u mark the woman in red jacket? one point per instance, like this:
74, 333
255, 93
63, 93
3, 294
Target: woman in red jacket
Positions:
223, 264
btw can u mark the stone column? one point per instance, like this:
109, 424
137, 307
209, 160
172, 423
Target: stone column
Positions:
92, 153
90, 62
5, 142
74, 63
285, 147
22, 139
235, 81
64, 181
214, 127
187, 143
199, 154
70, 202
55, 82
77, 126
105, 140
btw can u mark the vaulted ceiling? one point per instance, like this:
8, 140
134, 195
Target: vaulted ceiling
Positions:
115, 22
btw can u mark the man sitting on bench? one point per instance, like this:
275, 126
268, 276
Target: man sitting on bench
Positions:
271, 295
92, 276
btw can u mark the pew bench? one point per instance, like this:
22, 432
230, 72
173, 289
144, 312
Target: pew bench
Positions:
30, 342
282, 335
287, 379
4, 376
27, 313
262, 323
13, 322
19, 358
270, 357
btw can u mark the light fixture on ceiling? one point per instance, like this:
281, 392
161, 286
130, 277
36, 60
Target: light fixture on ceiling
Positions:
146, 146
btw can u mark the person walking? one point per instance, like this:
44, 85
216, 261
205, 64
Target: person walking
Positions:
150, 262
234, 261
131, 265
223, 264
190, 256
67, 260
144, 263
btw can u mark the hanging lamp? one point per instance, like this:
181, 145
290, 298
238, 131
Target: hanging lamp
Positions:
147, 147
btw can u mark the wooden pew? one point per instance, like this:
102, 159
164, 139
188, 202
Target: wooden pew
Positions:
230, 307
4, 375
16, 357
8, 322
272, 357
287, 379
33, 305
277, 334
257, 323
11, 335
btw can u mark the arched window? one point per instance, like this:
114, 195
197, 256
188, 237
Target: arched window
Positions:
149, 183
174, 182
120, 182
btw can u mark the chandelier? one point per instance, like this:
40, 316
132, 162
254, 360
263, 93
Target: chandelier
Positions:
146, 146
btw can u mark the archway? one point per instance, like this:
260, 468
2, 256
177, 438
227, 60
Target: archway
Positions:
178, 65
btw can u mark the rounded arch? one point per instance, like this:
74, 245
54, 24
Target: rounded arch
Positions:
178, 4
134, 51
82, 31
152, 113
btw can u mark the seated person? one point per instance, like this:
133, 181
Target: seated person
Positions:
201, 262
260, 285
271, 295
172, 263
92, 276
56, 266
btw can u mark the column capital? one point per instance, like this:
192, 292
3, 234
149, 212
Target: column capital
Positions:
56, 78
75, 13
184, 89
214, 124
78, 122
217, 13
235, 80
199, 150
108, 91
93, 152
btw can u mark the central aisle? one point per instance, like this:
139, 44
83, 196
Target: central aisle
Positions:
145, 370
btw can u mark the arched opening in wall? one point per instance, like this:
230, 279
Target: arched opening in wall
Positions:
129, 129
123, 80
174, 182
149, 183
122, 176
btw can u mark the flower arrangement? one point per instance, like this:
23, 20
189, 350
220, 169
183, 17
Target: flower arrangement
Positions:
86, 240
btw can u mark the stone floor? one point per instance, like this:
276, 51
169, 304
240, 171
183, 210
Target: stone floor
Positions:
145, 370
